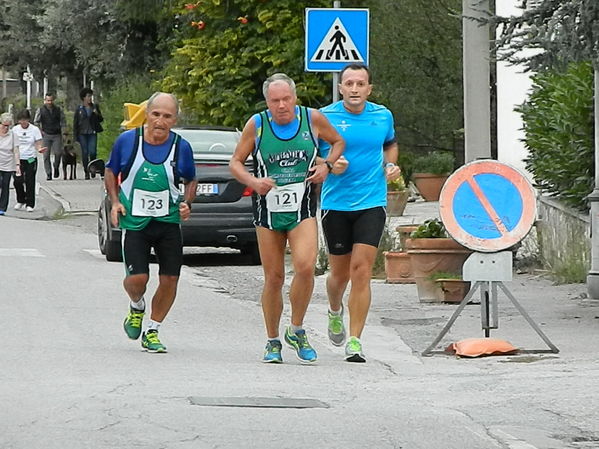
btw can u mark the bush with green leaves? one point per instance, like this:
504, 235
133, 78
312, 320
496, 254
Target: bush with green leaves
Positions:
135, 89
558, 124
223, 52
436, 162
430, 229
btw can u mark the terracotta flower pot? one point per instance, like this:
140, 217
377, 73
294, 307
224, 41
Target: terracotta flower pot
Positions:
396, 202
429, 185
398, 268
454, 290
434, 255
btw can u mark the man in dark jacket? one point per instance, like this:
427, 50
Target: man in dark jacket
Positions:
50, 119
86, 126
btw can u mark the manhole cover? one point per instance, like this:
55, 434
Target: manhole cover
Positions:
257, 402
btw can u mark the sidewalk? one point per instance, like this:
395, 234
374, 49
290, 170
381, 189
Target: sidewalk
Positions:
59, 196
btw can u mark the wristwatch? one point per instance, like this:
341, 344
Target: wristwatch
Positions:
188, 204
329, 165
390, 164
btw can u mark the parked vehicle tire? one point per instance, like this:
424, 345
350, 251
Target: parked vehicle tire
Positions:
254, 253
109, 245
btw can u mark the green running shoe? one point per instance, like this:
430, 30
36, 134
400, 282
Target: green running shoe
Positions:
272, 353
132, 323
299, 342
151, 343
336, 328
353, 350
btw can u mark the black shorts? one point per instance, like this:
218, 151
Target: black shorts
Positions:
167, 242
344, 228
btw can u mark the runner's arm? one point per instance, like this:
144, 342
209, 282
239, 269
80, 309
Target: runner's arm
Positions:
243, 150
326, 132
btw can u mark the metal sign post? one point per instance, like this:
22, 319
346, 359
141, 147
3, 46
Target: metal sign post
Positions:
488, 207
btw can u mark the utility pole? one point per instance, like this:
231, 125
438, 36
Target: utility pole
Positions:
336, 4
593, 276
477, 93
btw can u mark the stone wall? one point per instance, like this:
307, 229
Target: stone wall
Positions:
563, 238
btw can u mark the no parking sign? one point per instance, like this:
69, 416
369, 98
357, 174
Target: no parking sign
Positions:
487, 206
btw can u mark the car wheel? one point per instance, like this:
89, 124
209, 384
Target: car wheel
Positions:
253, 252
113, 251
110, 247
102, 231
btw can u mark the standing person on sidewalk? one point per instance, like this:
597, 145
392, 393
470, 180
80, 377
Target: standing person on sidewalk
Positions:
86, 126
50, 119
146, 204
9, 159
353, 203
29, 141
283, 143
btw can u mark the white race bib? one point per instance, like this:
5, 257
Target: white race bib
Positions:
285, 198
150, 204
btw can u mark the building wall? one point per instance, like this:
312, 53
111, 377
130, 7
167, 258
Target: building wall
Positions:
513, 86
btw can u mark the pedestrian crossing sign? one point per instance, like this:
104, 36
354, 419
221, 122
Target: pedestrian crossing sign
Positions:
335, 37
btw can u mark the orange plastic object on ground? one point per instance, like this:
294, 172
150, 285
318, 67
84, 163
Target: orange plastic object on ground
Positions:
476, 347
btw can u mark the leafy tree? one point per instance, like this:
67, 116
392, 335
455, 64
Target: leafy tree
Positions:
416, 60
562, 30
558, 117
225, 51
106, 40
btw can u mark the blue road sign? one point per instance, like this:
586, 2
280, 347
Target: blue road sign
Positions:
336, 37
487, 206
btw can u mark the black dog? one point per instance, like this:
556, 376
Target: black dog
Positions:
69, 159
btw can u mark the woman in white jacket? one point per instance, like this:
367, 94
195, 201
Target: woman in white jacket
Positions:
9, 159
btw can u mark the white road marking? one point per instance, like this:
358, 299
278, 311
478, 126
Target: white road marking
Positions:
20, 252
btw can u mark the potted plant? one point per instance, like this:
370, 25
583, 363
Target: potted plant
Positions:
398, 266
430, 173
454, 288
397, 197
432, 250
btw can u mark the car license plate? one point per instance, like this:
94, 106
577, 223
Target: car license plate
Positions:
207, 189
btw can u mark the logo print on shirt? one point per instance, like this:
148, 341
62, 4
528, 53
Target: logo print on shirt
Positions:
343, 125
306, 135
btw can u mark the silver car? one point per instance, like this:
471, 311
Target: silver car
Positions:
221, 214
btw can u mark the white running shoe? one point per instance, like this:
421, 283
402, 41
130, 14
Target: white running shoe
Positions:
19, 206
29, 209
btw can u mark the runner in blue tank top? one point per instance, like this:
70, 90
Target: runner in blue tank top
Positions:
353, 202
283, 143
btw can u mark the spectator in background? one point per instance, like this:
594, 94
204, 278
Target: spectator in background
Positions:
86, 126
29, 140
50, 119
9, 159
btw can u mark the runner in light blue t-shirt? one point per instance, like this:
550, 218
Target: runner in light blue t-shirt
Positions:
353, 202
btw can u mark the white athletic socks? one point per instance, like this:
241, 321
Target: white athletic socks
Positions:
139, 305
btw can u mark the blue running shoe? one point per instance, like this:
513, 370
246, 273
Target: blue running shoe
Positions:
272, 352
299, 342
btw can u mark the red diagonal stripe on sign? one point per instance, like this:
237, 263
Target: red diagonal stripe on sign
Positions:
486, 205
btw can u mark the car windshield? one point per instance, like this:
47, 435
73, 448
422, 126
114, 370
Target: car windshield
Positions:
207, 141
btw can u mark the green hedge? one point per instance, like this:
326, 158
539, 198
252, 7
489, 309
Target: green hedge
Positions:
558, 123
132, 90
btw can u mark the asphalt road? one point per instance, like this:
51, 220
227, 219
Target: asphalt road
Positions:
70, 378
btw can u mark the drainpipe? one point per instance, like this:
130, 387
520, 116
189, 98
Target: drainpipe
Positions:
593, 276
